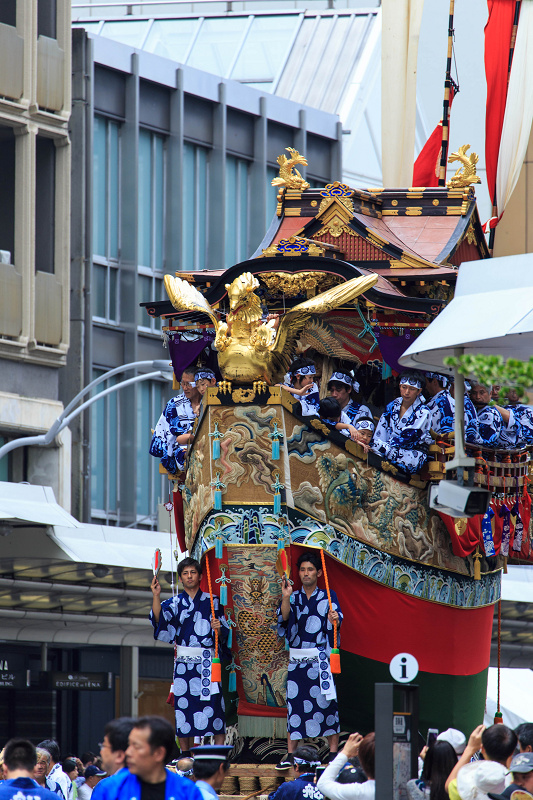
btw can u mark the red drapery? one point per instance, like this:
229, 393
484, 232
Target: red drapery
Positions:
498, 32
426, 168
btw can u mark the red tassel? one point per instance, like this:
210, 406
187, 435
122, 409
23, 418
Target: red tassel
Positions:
216, 671
335, 661
498, 718
170, 698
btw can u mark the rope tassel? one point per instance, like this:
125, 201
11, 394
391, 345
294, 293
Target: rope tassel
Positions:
216, 669
335, 657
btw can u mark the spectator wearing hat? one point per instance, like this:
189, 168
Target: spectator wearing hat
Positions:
497, 743
456, 738
305, 762
365, 749
522, 771
210, 766
403, 433
93, 776
480, 779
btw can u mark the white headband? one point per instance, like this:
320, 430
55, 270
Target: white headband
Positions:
305, 370
364, 425
343, 377
303, 761
411, 380
204, 373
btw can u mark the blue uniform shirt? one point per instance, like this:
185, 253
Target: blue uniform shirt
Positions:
24, 789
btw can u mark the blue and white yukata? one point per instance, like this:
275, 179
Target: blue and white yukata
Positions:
524, 416
301, 788
442, 410
177, 418
185, 620
493, 431
311, 695
404, 441
310, 401
354, 411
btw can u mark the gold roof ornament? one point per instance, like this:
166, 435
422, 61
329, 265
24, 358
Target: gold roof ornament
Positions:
466, 174
289, 177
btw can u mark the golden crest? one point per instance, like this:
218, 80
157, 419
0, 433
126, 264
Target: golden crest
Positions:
243, 395
287, 177
460, 525
466, 174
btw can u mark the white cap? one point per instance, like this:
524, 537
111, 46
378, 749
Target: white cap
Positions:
455, 738
477, 779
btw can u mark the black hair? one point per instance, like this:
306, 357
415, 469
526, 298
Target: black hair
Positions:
189, 562
499, 742
440, 759
300, 363
308, 754
88, 755
312, 557
329, 408
117, 732
525, 734
367, 755
20, 754
206, 769
53, 748
351, 773
68, 765
161, 734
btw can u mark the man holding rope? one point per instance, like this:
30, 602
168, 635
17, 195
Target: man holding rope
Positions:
191, 620
308, 620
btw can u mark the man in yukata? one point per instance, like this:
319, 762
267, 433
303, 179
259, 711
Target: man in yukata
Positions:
498, 426
306, 621
523, 415
186, 620
403, 433
172, 432
441, 405
303, 787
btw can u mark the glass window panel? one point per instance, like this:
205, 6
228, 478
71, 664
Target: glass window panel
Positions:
99, 186
265, 47
331, 75
113, 447
113, 198
189, 178
171, 38
202, 206
262, 86
144, 423
291, 83
146, 293
243, 210
144, 198
159, 201
231, 211
98, 451
113, 294
132, 33
272, 193
99, 291
217, 43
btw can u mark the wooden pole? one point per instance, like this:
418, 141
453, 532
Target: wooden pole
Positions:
446, 104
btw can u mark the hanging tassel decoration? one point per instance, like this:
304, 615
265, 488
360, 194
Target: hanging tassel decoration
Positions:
487, 533
275, 437
216, 669
477, 565
231, 625
223, 585
218, 486
232, 683
335, 657
219, 542
277, 487
216, 436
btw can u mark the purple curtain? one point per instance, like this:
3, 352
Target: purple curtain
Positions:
183, 352
392, 347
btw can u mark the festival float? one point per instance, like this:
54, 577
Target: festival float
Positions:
354, 276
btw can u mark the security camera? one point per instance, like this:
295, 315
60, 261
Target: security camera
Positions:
456, 500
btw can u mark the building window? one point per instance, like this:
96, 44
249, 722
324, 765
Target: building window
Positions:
46, 18
236, 211
195, 202
272, 196
45, 191
7, 196
106, 216
105, 446
8, 12
149, 482
151, 200
150, 287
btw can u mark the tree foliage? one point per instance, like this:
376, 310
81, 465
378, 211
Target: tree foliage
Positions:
493, 370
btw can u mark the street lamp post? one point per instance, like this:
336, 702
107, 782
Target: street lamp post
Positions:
70, 412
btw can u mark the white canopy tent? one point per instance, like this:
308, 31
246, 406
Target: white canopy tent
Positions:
491, 313
516, 696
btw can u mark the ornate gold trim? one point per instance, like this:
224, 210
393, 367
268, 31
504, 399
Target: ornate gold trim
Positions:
466, 174
413, 211
288, 174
